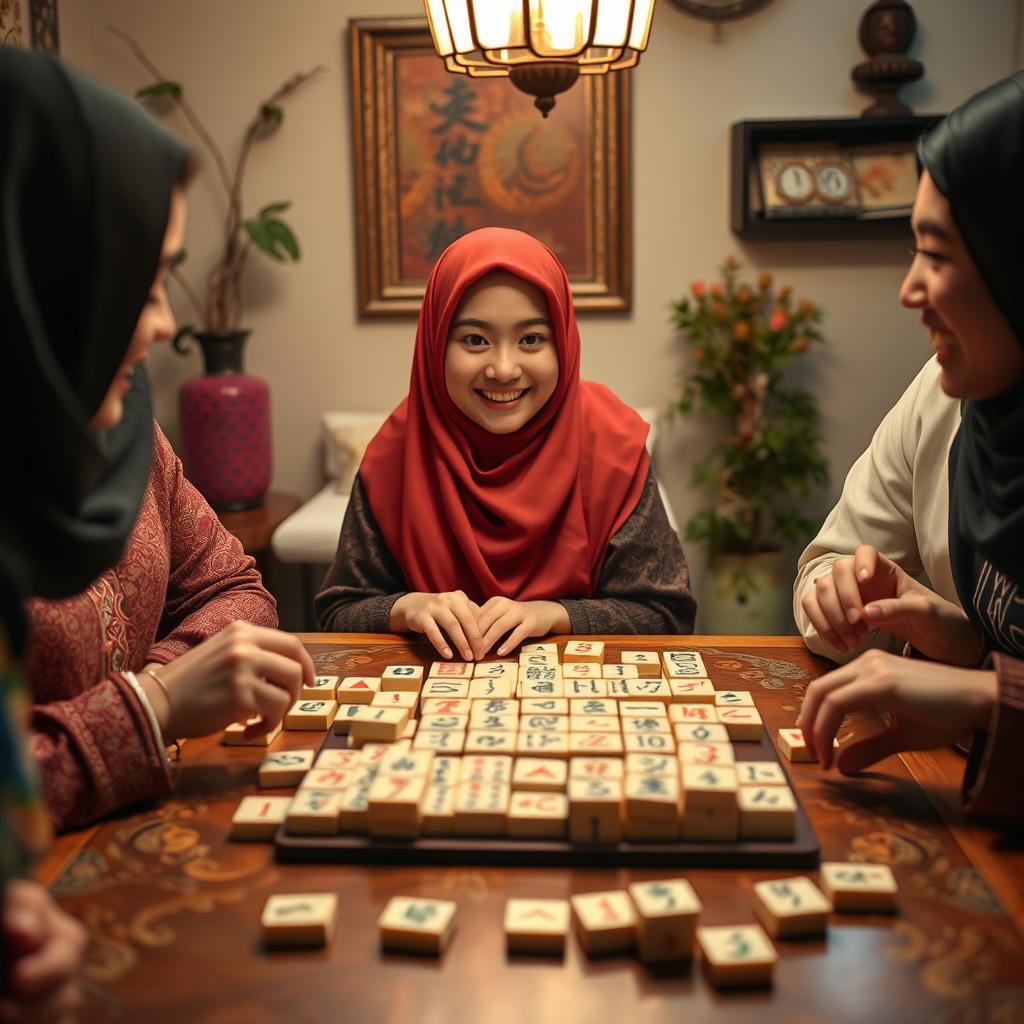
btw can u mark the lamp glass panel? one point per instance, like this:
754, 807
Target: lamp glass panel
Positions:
612, 22
439, 27
641, 27
458, 24
499, 23
559, 28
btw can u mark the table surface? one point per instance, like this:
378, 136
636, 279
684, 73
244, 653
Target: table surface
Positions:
255, 526
173, 906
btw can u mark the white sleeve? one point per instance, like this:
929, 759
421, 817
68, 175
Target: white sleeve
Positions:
876, 507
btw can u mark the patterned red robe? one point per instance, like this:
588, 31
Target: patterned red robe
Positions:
182, 578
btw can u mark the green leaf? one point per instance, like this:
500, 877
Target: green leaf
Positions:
281, 235
270, 112
273, 208
157, 89
258, 233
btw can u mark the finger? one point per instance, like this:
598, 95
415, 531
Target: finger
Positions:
272, 704
505, 624
519, 634
836, 705
865, 563
467, 613
848, 593
25, 924
828, 599
52, 966
449, 622
909, 608
491, 613
816, 693
277, 670
430, 630
821, 625
860, 755
284, 644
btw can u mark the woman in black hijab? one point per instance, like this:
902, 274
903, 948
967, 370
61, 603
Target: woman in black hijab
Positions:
86, 180
966, 278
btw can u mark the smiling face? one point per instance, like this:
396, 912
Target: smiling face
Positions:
979, 354
501, 359
155, 323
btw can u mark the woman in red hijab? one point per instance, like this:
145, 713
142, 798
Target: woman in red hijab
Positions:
505, 497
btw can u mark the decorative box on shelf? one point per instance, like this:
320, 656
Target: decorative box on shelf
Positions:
834, 178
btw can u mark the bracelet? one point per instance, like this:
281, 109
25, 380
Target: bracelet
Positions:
161, 684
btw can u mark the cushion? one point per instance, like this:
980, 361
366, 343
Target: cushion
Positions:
310, 534
346, 435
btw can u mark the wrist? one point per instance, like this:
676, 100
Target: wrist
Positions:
985, 693
154, 686
557, 618
397, 619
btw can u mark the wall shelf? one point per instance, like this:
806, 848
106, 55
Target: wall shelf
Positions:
747, 138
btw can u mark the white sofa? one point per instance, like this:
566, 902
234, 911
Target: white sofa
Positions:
309, 536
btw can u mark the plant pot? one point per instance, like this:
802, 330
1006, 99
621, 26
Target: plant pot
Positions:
748, 595
225, 426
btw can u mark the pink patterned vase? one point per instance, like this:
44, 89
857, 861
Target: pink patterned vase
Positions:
225, 426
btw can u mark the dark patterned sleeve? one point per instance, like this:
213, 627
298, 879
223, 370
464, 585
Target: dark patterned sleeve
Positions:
212, 581
992, 787
364, 581
645, 582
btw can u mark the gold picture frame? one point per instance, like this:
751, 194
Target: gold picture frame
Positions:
29, 25
438, 154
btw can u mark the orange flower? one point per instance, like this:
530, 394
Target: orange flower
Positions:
698, 352
784, 293
744, 294
719, 310
698, 289
778, 321
764, 282
806, 307
741, 330
716, 290
801, 345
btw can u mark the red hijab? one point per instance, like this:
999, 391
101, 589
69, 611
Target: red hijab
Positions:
526, 515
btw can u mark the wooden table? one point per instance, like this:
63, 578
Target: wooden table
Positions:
173, 906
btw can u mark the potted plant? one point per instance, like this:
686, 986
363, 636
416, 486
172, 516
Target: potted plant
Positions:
225, 415
742, 338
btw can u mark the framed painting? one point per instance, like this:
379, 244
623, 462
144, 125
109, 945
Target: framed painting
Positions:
439, 154
29, 24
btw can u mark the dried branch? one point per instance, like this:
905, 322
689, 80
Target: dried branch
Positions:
183, 105
228, 298
189, 292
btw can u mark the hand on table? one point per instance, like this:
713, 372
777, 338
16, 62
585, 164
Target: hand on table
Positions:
473, 630
930, 705
45, 948
869, 590
520, 619
242, 672
452, 612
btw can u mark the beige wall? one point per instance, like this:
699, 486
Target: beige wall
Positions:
791, 59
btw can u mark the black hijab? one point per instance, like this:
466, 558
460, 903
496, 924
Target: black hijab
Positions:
975, 156
85, 186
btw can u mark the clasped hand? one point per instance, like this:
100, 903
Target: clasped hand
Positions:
869, 590
453, 620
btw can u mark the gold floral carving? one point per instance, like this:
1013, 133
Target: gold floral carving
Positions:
955, 963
